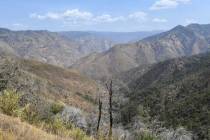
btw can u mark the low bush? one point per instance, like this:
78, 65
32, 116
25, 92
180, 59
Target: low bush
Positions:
9, 102
57, 107
29, 114
56, 125
145, 136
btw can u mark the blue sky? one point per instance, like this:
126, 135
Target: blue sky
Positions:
102, 15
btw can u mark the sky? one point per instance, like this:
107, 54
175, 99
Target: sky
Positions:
102, 15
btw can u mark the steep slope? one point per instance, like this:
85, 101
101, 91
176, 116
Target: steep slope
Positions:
43, 81
180, 41
13, 129
89, 42
58, 48
203, 30
40, 45
50, 47
175, 92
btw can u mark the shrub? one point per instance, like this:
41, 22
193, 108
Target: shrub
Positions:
57, 107
78, 134
29, 114
57, 126
145, 136
9, 102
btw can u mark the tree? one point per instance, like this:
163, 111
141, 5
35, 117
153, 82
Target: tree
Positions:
110, 90
99, 115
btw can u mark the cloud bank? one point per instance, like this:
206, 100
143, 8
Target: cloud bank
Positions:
76, 16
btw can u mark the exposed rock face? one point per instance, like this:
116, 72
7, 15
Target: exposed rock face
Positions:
178, 42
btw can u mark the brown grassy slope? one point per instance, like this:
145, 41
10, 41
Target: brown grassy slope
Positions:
68, 80
49, 82
13, 129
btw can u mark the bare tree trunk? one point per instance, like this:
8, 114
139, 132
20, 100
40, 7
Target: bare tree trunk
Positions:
110, 90
99, 115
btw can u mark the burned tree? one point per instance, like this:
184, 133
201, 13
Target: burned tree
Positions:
99, 114
110, 90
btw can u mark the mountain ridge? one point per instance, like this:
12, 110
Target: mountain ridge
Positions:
177, 42
58, 48
175, 92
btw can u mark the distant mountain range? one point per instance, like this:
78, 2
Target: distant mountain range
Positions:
115, 37
177, 42
62, 48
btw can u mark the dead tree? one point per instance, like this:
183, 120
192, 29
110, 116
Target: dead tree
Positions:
99, 114
110, 90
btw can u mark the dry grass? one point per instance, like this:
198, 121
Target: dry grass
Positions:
68, 80
13, 129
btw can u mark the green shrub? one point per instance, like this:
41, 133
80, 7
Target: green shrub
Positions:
57, 107
145, 136
9, 102
78, 134
29, 114
57, 126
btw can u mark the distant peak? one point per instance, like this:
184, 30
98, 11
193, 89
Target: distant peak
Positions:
4, 30
178, 27
193, 24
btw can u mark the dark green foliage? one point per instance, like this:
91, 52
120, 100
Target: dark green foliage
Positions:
57, 107
176, 92
127, 113
3, 83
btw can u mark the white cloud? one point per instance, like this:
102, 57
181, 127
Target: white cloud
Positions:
160, 20
106, 18
166, 4
140, 16
76, 16
190, 21
18, 26
67, 15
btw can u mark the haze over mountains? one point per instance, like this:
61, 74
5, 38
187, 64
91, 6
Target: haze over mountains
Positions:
62, 48
179, 41
115, 37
